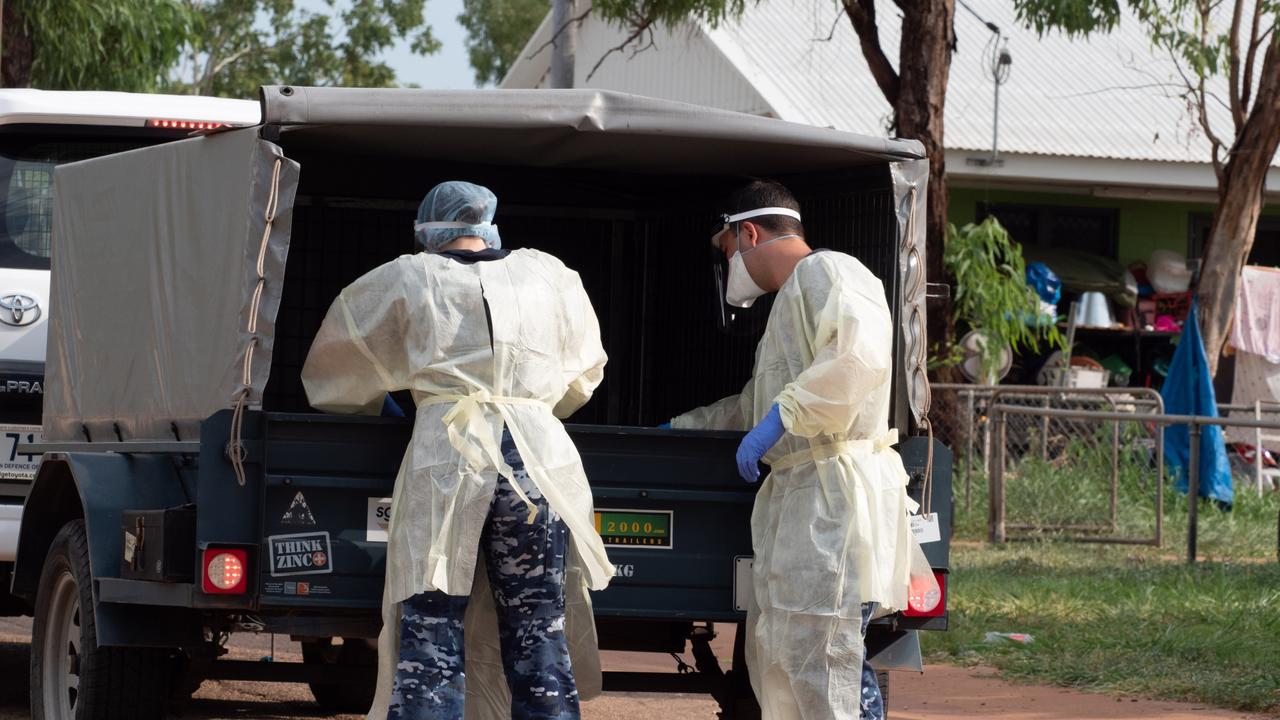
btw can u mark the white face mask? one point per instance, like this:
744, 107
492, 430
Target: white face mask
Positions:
740, 289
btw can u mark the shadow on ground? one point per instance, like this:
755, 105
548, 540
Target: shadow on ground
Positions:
14, 691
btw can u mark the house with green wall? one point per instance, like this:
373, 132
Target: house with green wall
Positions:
1095, 146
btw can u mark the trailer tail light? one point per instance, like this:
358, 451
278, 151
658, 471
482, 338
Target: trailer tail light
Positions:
225, 571
184, 124
924, 601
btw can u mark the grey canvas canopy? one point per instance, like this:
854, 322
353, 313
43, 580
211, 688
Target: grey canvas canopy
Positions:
159, 318
169, 260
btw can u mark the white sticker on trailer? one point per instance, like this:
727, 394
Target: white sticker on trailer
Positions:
742, 582
925, 528
378, 520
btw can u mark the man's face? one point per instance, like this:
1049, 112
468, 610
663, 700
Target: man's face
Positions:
728, 239
728, 242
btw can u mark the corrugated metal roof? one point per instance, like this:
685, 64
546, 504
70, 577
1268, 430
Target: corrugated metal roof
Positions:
1109, 96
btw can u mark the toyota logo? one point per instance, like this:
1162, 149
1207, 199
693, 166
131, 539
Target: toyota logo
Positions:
18, 310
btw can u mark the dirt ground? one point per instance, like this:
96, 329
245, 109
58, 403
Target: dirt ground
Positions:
953, 693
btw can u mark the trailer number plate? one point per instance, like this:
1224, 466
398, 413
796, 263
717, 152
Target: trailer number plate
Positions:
15, 465
647, 529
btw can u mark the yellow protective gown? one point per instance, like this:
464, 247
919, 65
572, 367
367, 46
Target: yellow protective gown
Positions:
829, 529
419, 323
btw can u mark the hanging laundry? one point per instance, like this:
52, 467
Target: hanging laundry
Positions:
1256, 325
1189, 391
1256, 379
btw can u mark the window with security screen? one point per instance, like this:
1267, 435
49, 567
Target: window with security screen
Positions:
1091, 230
26, 208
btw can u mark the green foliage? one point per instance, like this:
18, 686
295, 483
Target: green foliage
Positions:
670, 12
1074, 17
1175, 26
992, 294
102, 45
497, 31
241, 44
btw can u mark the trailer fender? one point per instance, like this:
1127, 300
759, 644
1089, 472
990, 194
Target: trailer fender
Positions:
98, 487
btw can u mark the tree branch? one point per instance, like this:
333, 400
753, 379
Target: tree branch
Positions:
222, 64
638, 29
1196, 90
830, 35
1255, 40
1233, 61
579, 20
862, 15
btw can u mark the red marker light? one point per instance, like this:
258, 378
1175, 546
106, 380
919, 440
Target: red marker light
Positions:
924, 601
225, 571
185, 124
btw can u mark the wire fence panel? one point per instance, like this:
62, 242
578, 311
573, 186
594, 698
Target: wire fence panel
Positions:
1086, 465
1073, 474
1077, 476
965, 428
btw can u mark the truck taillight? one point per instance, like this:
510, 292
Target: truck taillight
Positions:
225, 571
924, 601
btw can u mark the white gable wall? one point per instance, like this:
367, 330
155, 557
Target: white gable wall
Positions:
681, 65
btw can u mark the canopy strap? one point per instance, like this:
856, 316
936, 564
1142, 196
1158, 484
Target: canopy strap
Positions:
235, 446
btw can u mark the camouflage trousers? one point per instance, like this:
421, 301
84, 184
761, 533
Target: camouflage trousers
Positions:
526, 565
872, 702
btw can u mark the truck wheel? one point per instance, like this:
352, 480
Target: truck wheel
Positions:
882, 679
71, 677
354, 696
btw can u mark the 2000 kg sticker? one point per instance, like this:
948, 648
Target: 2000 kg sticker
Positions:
300, 554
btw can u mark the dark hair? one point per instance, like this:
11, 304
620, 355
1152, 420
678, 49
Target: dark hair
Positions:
762, 194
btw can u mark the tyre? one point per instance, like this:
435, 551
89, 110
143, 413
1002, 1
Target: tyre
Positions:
882, 679
71, 677
347, 697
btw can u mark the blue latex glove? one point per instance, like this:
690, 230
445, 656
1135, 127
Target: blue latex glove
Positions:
390, 408
757, 443
665, 426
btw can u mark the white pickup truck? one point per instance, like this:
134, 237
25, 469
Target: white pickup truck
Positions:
40, 130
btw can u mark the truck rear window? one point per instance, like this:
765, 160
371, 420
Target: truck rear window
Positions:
26, 208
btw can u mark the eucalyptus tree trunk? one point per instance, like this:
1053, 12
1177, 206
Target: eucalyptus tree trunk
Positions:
917, 91
924, 62
1235, 222
17, 51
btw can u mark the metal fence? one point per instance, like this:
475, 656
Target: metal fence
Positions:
1258, 437
1072, 475
1081, 464
965, 424
1058, 465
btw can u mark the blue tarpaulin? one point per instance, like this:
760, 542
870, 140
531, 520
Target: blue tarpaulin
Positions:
1188, 390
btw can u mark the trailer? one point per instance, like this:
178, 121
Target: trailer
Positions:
188, 492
